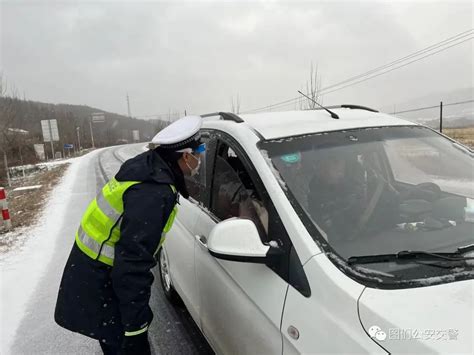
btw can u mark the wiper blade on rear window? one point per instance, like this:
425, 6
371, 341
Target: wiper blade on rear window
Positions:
406, 256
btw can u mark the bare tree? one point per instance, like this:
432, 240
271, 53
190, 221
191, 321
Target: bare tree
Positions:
16, 143
8, 113
159, 124
313, 88
3, 86
235, 102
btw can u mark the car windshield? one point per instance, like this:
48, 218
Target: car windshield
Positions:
379, 190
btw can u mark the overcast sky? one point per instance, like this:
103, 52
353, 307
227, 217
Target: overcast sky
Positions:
198, 55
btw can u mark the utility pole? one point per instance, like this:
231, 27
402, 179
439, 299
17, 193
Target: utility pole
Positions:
441, 116
6, 167
21, 162
92, 133
78, 140
128, 107
51, 140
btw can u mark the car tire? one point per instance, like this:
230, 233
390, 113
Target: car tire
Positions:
165, 278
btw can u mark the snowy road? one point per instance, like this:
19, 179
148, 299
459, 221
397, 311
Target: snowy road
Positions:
31, 276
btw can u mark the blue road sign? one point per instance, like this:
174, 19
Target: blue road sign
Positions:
68, 146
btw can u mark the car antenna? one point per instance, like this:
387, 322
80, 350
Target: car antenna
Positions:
333, 115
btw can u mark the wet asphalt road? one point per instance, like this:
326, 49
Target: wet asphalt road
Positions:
173, 331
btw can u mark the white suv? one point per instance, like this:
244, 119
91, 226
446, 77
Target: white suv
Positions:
310, 234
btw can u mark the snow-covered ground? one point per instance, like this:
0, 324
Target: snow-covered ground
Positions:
20, 171
47, 164
30, 275
22, 269
57, 162
25, 188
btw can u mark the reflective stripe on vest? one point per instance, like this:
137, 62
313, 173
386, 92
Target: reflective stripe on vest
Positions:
100, 226
107, 250
108, 210
168, 225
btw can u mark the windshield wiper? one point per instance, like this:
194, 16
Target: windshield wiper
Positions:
407, 256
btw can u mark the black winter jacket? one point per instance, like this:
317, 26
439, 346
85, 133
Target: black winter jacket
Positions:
100, 301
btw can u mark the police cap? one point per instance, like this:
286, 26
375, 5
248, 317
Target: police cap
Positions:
183, 133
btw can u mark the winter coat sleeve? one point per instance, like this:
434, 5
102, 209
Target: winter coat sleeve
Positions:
147, 207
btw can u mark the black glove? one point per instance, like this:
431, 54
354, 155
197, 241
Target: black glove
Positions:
135, 345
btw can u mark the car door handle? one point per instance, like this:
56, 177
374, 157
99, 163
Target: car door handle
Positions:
202, 240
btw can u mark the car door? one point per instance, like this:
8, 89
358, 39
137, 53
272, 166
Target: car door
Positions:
180, 242
241, 303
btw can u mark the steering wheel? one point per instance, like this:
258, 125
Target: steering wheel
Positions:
428, 191
373, 202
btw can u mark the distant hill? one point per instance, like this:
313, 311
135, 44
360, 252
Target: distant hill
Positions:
116, 127
20, 127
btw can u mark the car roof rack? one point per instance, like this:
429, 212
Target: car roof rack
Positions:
359, 107
227, 116
352, 107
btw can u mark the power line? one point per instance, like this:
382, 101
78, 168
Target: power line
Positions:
437, 106
323, 91
417, 109
413, 55
160, 114
412, 110
273, 105
400, 66
157, 115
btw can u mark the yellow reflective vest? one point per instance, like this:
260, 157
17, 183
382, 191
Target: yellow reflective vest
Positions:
100, 226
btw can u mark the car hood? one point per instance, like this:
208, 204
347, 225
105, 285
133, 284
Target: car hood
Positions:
432, 319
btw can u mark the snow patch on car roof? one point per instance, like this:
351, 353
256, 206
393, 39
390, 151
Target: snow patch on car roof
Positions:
273, 125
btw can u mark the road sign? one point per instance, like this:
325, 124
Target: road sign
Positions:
50, 133
50, 130
39, 150
98, 117
46, 131
136, 135
54, 130
68, 146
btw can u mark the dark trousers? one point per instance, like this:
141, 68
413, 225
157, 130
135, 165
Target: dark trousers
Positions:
141, 347
109, 348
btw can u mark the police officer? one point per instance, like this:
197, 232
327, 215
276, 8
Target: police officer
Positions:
106, 284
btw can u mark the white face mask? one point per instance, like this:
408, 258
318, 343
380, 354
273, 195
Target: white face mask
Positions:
196, 169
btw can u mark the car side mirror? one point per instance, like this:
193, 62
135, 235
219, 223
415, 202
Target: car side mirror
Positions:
237, 240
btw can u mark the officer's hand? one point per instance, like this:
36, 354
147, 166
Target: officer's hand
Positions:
135, 345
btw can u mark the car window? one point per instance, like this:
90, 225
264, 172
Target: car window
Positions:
197, 184
234, 193
416, 161
237, 191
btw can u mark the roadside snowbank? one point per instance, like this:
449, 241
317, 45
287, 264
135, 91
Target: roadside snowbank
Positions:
20, 171
25, 188
22, 269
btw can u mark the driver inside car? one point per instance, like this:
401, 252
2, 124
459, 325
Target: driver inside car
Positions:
346, 197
